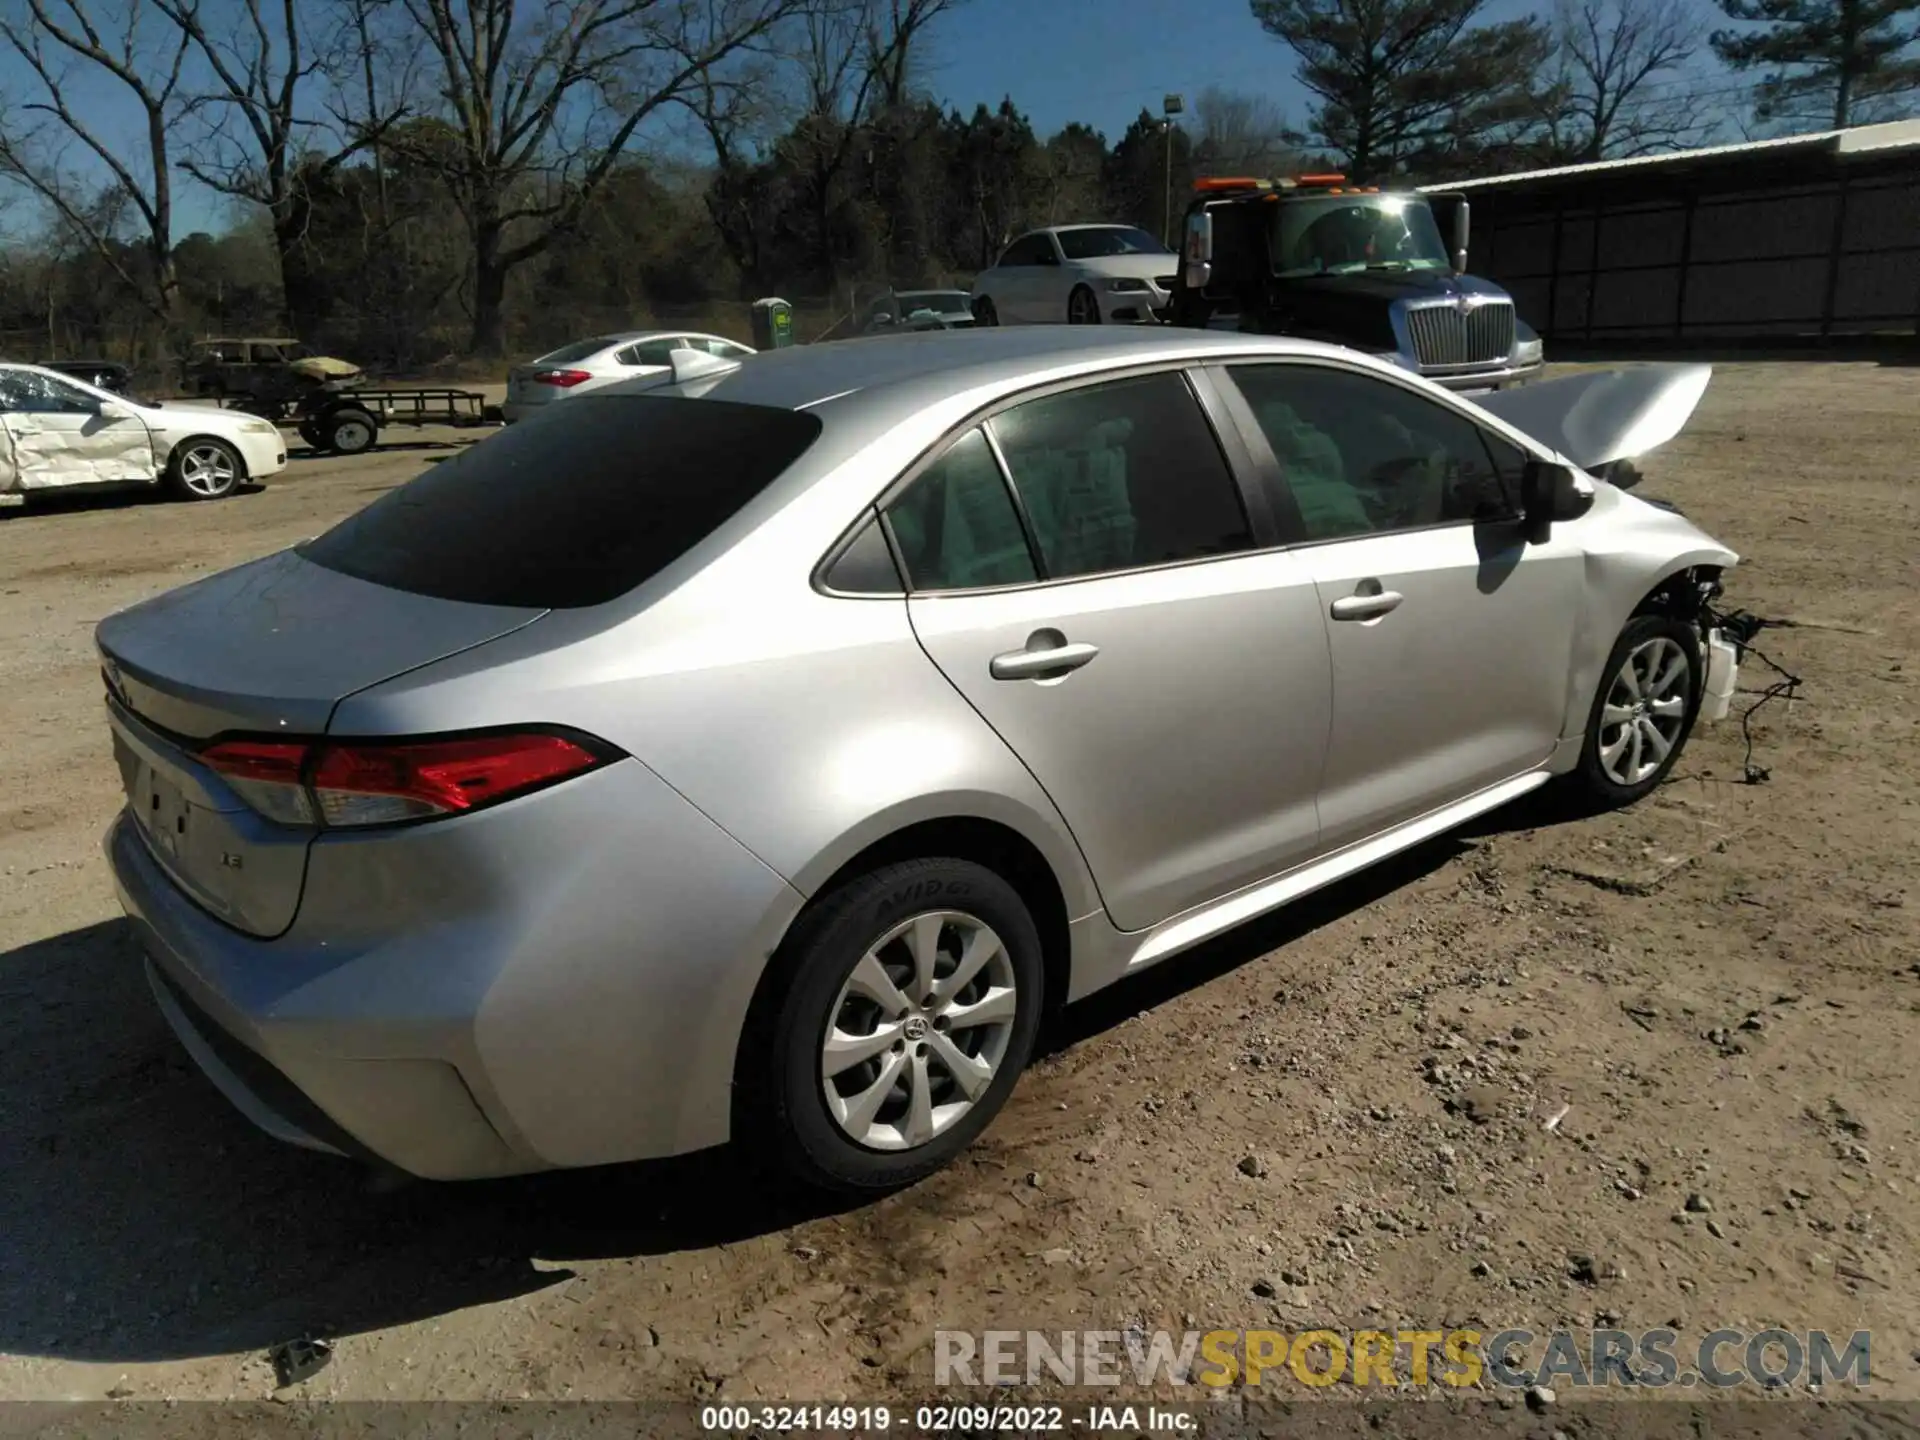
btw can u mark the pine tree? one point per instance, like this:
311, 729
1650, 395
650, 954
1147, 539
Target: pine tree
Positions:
1843, 61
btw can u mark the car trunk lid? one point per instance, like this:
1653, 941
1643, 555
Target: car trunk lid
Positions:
268, 649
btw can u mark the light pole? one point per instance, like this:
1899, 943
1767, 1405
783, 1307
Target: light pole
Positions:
1170, 106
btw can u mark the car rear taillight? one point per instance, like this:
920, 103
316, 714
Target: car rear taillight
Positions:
267, 775
343, 784
565, 379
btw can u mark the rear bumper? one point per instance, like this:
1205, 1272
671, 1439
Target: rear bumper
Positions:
558, 982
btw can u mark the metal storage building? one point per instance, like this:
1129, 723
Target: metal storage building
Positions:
1808, 235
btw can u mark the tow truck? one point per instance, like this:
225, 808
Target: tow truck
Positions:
1316, 257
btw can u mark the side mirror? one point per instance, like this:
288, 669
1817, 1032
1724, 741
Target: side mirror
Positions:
1461, 230
1198, 255
113, 410
1548, 493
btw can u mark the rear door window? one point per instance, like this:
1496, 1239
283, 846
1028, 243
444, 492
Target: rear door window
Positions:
1121, 475
653, 352
565, 516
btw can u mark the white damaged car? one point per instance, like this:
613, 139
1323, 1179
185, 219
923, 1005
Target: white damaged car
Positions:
58, 433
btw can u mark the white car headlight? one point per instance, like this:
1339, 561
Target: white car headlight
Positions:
259, 427
1127, 285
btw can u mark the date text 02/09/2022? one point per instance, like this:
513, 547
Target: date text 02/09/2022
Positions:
944, 1419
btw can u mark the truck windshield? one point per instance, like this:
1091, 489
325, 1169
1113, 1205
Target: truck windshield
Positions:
1338, 234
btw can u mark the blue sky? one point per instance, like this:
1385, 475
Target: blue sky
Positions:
1097, 61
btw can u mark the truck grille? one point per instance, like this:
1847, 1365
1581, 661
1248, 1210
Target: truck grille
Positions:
1443, 335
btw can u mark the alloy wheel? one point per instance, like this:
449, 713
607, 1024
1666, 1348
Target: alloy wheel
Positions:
208, 470
1081, 309
1645, 711
918, 1030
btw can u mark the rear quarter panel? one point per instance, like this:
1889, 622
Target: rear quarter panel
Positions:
808, 727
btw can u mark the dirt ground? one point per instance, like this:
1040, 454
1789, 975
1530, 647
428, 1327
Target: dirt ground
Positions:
1720, 987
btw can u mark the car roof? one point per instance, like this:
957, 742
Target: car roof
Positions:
627, 337
248, 340
1095, 225
894, 375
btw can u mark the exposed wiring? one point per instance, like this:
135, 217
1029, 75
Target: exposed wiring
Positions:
1740, 627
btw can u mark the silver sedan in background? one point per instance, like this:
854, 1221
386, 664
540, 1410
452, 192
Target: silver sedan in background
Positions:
592, 364
766, 754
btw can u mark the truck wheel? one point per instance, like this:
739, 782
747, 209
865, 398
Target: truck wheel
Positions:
984, 313
350, 431
315, 437
1082, 308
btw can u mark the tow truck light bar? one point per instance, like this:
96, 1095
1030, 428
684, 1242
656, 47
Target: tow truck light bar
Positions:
1297, 182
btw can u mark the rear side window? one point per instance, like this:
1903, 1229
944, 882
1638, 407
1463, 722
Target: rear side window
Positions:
956, 526
865, 566
571, 512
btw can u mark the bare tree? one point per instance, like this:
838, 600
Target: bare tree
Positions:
543, 97
854, 64
261, 135
1613, 56
738, 108
1241, 134
53, 39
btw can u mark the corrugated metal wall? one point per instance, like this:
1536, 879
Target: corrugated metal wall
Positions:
1838, 257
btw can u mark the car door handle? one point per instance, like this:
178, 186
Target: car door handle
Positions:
1032, 664
1367, 607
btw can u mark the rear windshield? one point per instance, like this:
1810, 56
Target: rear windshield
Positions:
579, 350
573, 508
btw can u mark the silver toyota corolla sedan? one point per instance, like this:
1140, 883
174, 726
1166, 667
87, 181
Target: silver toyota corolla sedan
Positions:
765, 753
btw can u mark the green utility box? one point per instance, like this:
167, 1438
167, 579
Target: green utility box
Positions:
772, 324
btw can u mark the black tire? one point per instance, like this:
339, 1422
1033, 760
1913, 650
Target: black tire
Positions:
350, 430
1083, 307
204, 468
1621, 786
315, 437
781, 1105
984, 312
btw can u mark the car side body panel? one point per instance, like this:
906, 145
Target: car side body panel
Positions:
435, 977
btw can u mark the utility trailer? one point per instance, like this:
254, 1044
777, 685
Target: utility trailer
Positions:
348, 422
